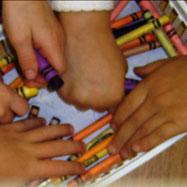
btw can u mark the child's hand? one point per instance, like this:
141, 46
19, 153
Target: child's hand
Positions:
11, 103
155, 111
29, 25
28, 146
95, 66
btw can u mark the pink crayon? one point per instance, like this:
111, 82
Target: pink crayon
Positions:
175, 39
117, 10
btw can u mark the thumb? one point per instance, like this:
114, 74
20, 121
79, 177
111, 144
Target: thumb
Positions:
148, 69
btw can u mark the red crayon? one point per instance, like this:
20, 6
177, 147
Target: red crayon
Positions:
117, 10
126, 20
175, 39
7, 68
137, 42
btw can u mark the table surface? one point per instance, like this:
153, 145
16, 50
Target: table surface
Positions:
167, 169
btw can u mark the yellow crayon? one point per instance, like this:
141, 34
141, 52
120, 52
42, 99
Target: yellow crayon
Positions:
149, 27
27, 92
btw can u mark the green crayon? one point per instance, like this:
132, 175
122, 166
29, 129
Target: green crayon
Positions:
147, 28
162, 37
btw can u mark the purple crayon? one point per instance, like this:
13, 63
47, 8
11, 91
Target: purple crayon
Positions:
130, 84
49, 73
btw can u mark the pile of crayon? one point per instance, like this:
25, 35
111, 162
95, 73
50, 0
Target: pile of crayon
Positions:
136, 33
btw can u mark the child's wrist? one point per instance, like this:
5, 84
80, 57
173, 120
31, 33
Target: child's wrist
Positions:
77, 6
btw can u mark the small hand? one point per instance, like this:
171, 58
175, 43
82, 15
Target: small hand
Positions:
155, 111
27, 148
29, 25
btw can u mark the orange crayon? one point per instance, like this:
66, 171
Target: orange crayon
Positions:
126, 20
119, 7
96, 149
93, 127
18, 82
102, 167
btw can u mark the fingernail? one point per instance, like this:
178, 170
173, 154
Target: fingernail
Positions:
136, 148
112, 149
30, 74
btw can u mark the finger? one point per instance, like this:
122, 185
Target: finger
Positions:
58, 148
56, 168
27, 58
131, 125
148, 127
148, 69
27, 125
39, 82
161, 134
6, 117
130, 104
18, 105
49, 132
56, 56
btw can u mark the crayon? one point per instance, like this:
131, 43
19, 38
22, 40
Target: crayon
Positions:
4, 70
49, 73
102, 136
162, 37
92, 128
27, 92
171, 32
126, 20
118, 8
140, 49
5, 60
54, 121
149, 27
99, 147
124, 30
177, 42
33, 113
139, 41
101, 167
130, 84
96, 157
16, 83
